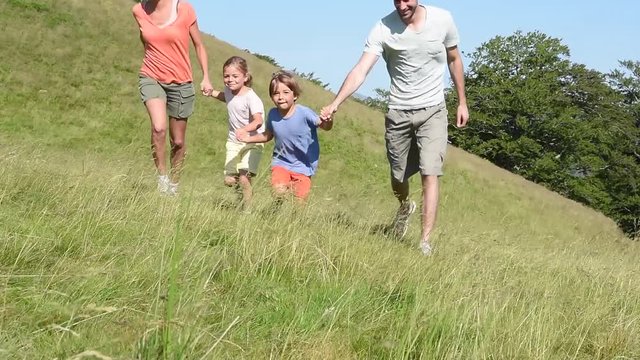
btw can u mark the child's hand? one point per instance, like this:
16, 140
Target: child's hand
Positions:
205, 87
326, 113
325, 123
242, 135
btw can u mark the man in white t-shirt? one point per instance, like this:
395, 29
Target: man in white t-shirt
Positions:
416, 42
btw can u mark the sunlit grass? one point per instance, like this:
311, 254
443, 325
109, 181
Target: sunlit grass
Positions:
93, 261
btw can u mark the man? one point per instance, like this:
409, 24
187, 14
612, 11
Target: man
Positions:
416, 42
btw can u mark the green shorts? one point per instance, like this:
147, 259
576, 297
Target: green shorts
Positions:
180, 98
416, 140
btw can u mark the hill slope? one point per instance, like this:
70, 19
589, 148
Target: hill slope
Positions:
92, 259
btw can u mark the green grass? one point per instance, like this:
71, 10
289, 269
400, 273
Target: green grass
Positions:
93, 261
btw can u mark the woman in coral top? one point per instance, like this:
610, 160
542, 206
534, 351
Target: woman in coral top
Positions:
166, 78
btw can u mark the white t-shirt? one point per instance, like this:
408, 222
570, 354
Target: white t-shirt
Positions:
241, 108
416, 60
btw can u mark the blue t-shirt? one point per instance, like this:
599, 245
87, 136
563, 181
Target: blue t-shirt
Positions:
296, 140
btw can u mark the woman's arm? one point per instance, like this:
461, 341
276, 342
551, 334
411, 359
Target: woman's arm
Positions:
201, 53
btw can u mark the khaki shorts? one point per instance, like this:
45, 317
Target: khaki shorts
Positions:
180, 98
416, 140
241, 156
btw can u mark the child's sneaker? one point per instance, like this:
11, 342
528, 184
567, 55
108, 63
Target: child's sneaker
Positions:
401, 221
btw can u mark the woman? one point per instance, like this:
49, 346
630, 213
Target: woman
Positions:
166, 77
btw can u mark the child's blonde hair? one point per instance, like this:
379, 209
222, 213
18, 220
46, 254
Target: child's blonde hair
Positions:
241, 64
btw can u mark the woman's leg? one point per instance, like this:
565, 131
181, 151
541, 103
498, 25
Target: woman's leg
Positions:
177, 131
157, 110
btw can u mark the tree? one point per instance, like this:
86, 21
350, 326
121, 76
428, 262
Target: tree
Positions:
625, 178
266, 58
379, 102
311, 77
552, 121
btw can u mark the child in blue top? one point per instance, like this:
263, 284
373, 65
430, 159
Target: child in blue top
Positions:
294, 127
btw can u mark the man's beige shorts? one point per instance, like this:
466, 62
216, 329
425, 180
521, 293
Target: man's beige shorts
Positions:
180, 98
241, 156
416, 141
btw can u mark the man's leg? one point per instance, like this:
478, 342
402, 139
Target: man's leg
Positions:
432, 140
406, 208
398, 139
400, 189
429, 208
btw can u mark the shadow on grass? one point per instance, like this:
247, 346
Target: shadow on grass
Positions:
343, 220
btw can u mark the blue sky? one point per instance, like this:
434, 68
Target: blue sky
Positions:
327, 37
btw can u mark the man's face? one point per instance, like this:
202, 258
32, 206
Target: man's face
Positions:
406, 8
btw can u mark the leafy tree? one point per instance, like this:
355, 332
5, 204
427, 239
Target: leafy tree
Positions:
380, 101
558, 123
266, 58
625, 177
311, 77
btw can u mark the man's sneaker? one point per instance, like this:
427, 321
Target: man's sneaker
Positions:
426, 248
163, 184
401, 222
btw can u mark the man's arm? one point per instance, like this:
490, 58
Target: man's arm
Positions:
456, 70
351, 83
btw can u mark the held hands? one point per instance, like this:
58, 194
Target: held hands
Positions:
206, 88
326, 114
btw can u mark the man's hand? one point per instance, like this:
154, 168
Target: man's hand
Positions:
326, 114
462, 116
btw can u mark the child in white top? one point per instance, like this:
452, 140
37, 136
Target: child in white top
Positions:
245, 117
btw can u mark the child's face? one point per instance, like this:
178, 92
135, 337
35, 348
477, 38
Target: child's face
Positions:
234, 78
283, 97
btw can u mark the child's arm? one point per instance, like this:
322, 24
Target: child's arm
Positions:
253, 125
218, 95
257, 138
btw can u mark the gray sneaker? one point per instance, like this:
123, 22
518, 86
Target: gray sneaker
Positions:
173, 189
401, 222
426, 248
163, 184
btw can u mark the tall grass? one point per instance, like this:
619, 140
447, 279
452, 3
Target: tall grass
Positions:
93, 262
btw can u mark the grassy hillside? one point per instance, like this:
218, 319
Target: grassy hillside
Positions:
93, 263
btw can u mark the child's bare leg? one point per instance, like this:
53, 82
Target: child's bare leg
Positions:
244, 179
231, 180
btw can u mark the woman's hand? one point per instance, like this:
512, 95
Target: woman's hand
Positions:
205, 87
